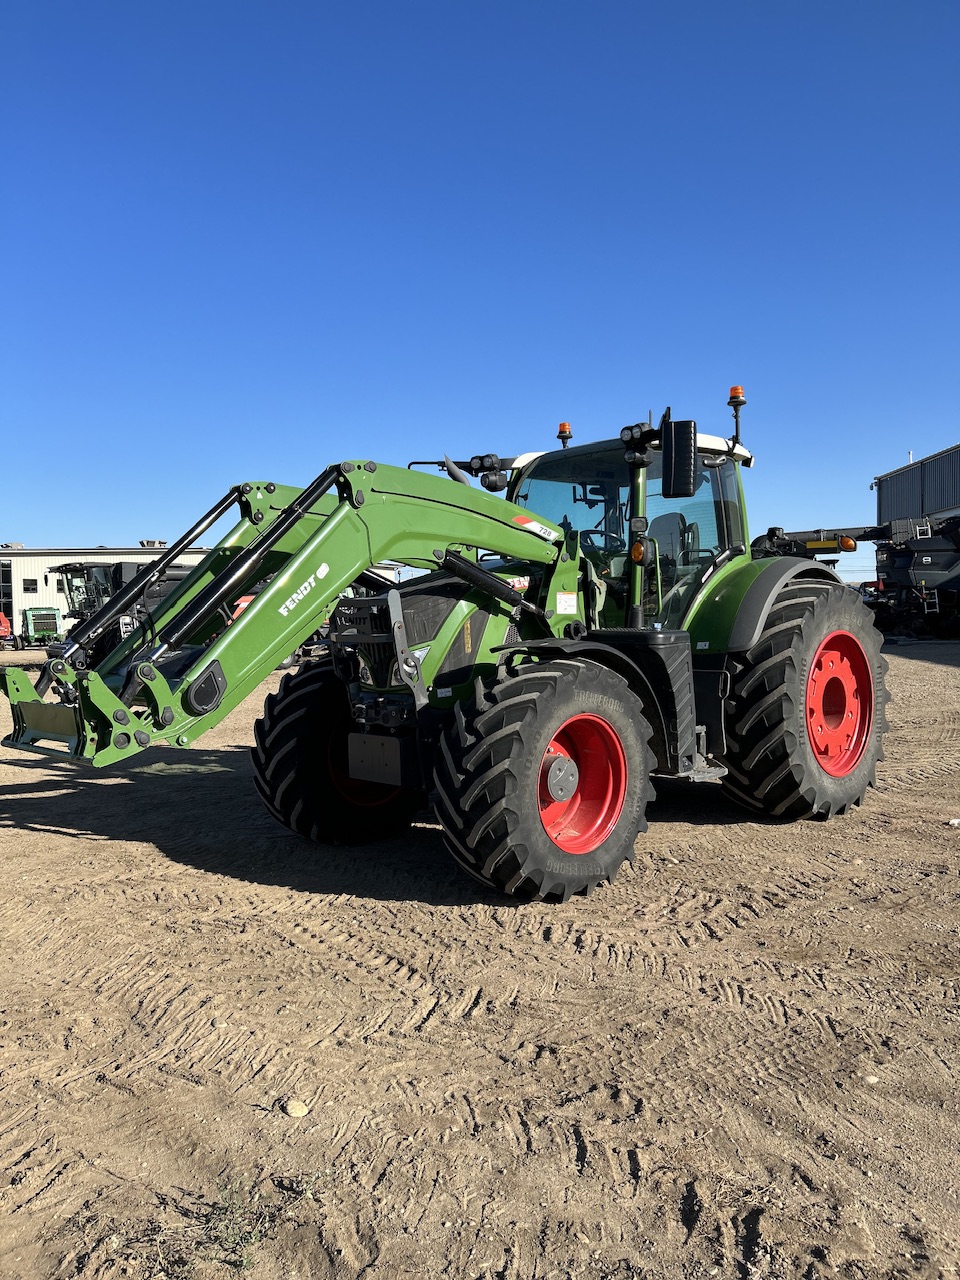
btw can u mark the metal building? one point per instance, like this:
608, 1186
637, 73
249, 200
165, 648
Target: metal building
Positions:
28, 577
922, 489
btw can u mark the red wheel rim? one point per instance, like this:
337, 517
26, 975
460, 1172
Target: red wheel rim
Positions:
839, 703
579, 822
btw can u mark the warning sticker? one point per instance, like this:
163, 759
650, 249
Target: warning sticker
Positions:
566, 602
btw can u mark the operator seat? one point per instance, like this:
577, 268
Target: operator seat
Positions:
669, 532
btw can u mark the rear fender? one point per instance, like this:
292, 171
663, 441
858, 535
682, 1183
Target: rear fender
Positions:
730, 612
759, 596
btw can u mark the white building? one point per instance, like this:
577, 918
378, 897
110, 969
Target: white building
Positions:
29, 576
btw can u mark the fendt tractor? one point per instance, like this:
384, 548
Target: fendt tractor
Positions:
601, 623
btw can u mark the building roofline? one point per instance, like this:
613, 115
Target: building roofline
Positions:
910, 465
149, 553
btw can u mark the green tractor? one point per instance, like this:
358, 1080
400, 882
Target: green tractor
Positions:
553, 650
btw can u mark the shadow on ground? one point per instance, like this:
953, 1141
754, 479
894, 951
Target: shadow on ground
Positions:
200, 808
946, 653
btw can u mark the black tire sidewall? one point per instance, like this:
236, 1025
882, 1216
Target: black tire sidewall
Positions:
509, 732
310, 787
836, 611
552, 714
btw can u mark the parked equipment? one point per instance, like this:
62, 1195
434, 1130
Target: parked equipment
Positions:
89, 584
918, 577
41, 625
917, 588
603, 624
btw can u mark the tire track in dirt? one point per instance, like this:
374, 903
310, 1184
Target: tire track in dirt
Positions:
930, 750
670, 1077
165, 1009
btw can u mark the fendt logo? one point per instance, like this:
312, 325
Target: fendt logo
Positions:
303, 590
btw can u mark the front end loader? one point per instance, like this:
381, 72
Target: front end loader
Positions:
549, 654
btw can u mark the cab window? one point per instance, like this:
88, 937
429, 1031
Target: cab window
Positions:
690, 532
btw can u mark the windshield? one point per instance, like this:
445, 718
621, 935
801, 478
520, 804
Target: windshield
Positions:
86, 586
584, 490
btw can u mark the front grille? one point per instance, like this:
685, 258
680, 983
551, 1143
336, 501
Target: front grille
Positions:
353, 620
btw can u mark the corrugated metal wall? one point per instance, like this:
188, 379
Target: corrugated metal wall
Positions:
900, 495
941, 482
928, 487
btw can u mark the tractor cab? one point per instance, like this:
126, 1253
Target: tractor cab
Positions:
87, 586
647, 544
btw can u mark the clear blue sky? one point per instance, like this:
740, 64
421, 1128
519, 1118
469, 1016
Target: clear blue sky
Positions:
242, 239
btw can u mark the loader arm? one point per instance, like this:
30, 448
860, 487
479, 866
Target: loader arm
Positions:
192, 663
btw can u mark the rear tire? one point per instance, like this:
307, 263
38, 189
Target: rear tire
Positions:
300, 765
543, 781
806, 719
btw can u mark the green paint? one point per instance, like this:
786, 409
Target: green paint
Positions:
377, 513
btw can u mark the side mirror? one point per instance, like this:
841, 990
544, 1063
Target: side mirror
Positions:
679, 443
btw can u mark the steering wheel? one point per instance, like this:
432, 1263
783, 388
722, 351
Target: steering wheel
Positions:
609, 544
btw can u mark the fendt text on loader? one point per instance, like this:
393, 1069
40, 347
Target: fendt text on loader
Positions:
588, 620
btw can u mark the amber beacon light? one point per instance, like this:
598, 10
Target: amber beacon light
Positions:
736, 402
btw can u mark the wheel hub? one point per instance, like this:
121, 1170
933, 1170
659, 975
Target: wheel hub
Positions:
562, 776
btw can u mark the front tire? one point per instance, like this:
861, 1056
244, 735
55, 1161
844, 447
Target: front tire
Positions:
543, 781
807, 714
300, 765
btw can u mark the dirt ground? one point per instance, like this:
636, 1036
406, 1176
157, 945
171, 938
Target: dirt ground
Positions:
740, 1060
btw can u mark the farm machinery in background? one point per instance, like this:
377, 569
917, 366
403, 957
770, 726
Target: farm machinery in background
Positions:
917, 588
918, 577
41, 625
89, 585
602, 624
